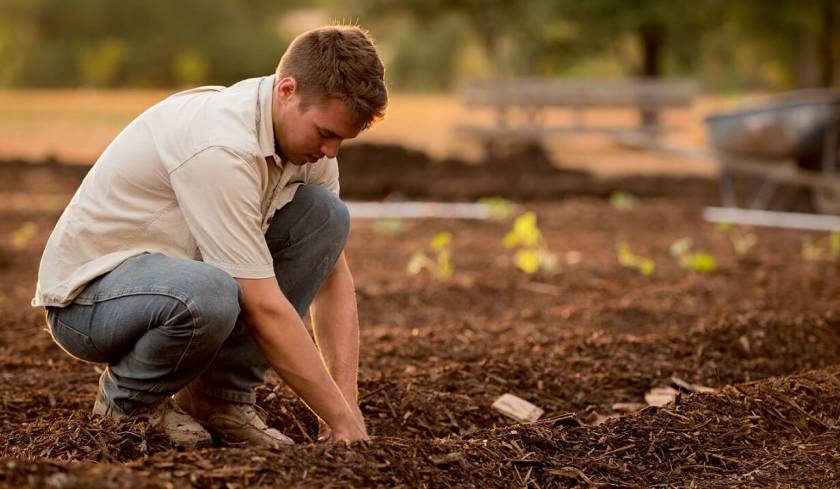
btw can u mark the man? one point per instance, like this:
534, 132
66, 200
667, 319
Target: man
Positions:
202, 235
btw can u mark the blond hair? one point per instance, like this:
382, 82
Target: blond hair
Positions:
338, 62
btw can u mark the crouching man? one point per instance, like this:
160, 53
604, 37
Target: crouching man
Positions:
203, 234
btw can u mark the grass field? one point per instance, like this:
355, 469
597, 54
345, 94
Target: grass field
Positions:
76, 125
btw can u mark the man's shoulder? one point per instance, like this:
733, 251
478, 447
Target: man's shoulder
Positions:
209, 116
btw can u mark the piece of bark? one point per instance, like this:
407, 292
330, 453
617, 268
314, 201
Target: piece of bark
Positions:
702, 388
628, 407
680, 384
660, 396
517, 408
595, 419
684, 386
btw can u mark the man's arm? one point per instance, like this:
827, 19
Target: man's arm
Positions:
283, 339
335, 322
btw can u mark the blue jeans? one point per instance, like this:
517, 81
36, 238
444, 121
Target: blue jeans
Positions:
161, 323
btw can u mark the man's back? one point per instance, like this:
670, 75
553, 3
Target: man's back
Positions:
127, 204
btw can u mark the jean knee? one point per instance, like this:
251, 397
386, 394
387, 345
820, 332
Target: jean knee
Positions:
332, 211
216, 299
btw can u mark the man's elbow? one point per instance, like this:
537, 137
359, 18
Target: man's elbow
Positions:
263, 303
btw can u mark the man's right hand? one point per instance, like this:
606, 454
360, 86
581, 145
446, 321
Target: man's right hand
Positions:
288, 348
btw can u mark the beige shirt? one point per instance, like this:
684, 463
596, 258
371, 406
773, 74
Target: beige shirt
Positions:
195, 177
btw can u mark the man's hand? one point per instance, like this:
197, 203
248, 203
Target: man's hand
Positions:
336, 326
288, 348
325, 433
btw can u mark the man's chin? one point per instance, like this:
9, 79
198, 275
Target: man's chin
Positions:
298, 160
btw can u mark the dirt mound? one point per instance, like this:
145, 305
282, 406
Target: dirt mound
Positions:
520, 172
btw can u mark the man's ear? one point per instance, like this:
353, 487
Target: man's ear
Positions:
286, 87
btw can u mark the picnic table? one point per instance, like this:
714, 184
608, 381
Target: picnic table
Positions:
521, 107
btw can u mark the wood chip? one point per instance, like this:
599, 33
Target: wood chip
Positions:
517, 408
595, 419
628, 407
660, 396
447, 459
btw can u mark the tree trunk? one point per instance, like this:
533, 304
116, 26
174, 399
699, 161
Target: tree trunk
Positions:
652, 40
826, 43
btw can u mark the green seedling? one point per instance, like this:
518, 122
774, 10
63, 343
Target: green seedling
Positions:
697, 262
626, 258
826, 249
532, 254
623, 201
21, 237
742, 241
389, 227
440, 264
498, 208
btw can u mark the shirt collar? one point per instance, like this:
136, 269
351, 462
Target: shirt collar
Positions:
265, 126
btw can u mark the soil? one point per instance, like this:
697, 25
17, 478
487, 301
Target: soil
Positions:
763, 330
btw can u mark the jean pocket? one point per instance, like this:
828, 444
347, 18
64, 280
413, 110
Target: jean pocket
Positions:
75, 343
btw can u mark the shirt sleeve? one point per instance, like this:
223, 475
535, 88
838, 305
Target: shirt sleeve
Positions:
325, 174
218, 193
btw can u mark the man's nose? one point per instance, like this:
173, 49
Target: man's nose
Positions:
330, 148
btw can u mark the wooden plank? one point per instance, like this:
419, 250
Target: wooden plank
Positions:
786, 220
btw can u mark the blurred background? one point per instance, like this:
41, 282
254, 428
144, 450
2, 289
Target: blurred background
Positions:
73, 73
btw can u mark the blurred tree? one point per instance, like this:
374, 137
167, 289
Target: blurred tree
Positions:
148, 42
100, 63
427, 44
803, 35
655, 26
17, 37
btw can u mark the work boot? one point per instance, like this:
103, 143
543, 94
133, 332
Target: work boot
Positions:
179, 427
233, 422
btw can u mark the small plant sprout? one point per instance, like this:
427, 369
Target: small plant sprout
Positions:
742, 241
532, 254
826, 249
440, 265
498, 208
21, 236
389, 227
681, 246
698, 262
626, 258
623, 201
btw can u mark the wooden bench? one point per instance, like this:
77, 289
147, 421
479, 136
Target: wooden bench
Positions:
521, 106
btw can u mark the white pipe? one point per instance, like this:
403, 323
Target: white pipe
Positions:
788, 220
417, 210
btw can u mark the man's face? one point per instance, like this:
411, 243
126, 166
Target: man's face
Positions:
305, 136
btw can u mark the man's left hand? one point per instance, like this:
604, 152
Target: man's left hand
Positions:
324, 430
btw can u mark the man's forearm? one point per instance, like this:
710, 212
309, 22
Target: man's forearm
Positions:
291, 353
336, 326
282, 337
